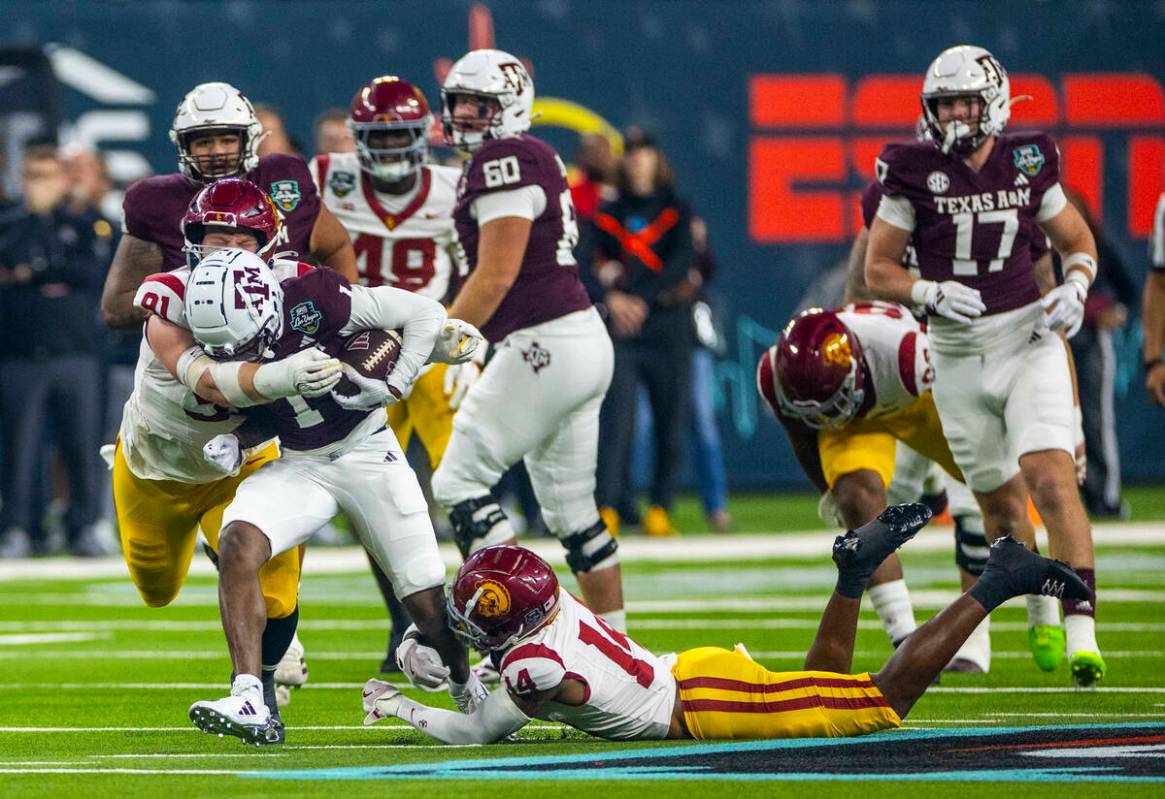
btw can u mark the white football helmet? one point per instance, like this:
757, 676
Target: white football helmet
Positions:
958, 72
488, 75
210, 107
234, 305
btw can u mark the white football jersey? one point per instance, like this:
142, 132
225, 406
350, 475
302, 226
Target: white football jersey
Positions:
896, 352
164, 424
630, 691
408, 242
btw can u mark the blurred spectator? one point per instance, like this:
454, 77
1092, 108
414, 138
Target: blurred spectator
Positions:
644, 253
90, 187
275, 136
331, 132
1105, 311
52, 266
1153, 309
591, 182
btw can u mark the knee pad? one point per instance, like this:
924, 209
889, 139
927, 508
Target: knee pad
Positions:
971, 548
591, 549
477, 523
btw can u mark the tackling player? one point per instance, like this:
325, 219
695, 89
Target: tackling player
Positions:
973, 198
399, 212
336, 455
163, 489
217, 136
562, 663
539, 398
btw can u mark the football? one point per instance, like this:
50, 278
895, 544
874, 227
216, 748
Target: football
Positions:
372, 353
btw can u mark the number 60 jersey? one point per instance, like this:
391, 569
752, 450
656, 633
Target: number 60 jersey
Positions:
975, 227
407, 242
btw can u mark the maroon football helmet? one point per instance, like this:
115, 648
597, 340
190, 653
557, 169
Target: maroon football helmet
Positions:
390, 104
814, 372
233, 203
501, 594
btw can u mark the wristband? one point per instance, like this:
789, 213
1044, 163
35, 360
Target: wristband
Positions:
919, 290
191, 364
1080, 262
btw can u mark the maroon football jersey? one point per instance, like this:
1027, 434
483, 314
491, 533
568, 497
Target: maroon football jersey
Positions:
548, 285
978, 228
316, 306
154, 207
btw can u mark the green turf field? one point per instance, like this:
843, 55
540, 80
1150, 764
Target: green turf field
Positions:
94, 686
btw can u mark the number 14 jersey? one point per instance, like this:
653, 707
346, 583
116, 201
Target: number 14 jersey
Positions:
630, 692
409, 242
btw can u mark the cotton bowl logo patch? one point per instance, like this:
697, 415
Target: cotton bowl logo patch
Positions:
494, 600
1028, 159
286, 194
305, 318
938, 182
341, 183
836, 350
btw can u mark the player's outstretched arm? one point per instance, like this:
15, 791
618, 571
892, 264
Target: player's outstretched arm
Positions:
331, 245
856, 289
499, 259
492, 720
1070, 235
886, 277
134, 260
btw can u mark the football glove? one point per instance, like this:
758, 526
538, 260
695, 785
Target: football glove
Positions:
224, 453
1064, 307
309, 373
373, 393
950, 298
421, 664
457, 342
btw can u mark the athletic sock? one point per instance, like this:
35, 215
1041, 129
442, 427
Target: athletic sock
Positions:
616, 618
269, 698
1042, 610
892, 603
1083, 607
277, 637
1080, 633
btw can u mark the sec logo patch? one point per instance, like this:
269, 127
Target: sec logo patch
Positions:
938, 182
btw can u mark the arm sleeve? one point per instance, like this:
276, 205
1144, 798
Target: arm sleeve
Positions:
492, 720
897, 211
1051, 203
527, 202
388, 308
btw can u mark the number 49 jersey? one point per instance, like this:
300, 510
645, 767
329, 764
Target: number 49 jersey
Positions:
630, 692
896, 355
411, 246
975, 227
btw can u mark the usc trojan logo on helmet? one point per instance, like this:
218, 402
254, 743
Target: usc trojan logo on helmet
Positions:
836, 350
494, 600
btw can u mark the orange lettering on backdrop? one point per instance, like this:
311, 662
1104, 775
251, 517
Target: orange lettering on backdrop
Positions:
1083, 168
780, 212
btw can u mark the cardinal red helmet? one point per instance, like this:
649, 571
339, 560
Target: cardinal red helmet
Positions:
386, 104
500, 595
231, 203
814, 372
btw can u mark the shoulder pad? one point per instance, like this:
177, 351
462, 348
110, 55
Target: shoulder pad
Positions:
531, 669
163, 294
501, 165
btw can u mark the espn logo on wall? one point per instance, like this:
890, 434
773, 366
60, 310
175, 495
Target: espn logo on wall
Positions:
815, 137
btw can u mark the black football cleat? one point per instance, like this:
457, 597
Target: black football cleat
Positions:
1016, 570
859, 552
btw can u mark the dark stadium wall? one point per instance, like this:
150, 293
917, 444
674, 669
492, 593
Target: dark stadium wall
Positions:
770, 111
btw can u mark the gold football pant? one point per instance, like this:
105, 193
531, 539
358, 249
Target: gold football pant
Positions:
426, 411
159, 521
872, 443
728, 696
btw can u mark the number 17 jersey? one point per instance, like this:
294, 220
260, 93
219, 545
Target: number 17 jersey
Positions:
410, 243
975, 227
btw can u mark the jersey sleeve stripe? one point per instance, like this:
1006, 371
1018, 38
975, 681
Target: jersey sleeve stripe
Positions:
169, 281
906, 353
531, 651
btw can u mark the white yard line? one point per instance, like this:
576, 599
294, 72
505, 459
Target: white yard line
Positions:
196, 771
190, 728
689, 548
47, 638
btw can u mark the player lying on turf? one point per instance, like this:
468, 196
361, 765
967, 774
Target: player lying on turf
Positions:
559, 662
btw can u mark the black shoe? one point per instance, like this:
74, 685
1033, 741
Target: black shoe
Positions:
859, 552
936, 502
389, 665
1015, 570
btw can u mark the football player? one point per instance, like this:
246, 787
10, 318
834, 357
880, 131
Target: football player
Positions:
336, 455
1153, 309
538, 399
163, 489
399, 212
561, 662
217, 136
974, 198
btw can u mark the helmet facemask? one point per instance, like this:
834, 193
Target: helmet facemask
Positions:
833, 413
203, 167
486, 125
391, 164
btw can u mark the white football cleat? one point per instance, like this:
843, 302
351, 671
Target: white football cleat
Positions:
380, 701
242, 715
290, 673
